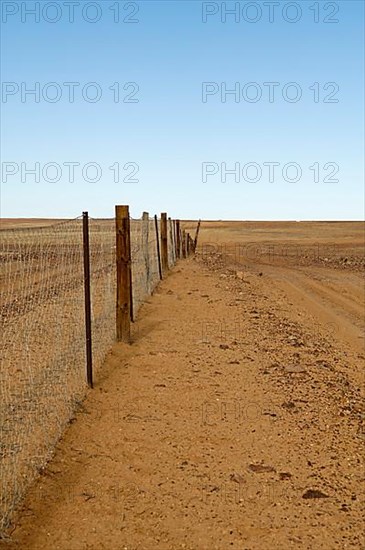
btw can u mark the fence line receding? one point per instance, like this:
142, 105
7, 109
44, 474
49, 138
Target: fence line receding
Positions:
43, 338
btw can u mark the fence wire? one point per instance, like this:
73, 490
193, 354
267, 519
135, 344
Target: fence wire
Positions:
103, 287
145, 270
171, 243
42, 349
42, 339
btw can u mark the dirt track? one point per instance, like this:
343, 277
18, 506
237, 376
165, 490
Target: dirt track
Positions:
235, 420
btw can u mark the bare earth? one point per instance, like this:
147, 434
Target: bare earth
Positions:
235, 419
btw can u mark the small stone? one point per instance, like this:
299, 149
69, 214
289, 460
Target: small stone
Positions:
237, 478
288, 405
261, 468
314, 493
294, 369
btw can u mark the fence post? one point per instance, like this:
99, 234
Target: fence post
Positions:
172, 241
145, 238
188, 244
178, 245
89, 357
183, 243
175, 242
164, 250
124, 275
196, 235
158, 247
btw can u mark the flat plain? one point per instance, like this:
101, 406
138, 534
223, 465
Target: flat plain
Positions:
236, 418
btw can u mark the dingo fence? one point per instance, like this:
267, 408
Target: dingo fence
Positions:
59, 317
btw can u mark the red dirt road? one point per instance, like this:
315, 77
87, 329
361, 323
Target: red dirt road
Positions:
235, 420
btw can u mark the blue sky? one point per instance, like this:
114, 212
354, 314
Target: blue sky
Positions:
165, 139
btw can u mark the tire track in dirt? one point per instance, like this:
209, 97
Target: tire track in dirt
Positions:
341, 308
330, 297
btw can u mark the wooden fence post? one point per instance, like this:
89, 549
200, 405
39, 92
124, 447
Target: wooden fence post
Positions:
145, 240
164, 249
178, 243
175, 241
172, 241
124, 275
158, 247
87, 293
196, 235
183, 239
188, 244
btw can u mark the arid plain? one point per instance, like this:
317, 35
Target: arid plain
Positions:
236, 417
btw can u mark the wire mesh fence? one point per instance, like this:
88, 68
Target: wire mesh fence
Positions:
41, 346
144, 254
171, 245
42, 339
103, 287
